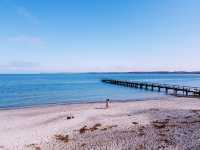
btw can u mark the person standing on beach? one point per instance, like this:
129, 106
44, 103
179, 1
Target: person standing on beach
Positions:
107, 103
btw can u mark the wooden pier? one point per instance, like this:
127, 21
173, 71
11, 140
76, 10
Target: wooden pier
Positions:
174, 89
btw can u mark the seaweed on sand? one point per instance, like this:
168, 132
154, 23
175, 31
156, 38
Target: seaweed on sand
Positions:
64, 138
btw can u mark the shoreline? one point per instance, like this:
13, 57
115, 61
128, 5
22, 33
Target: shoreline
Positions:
86, 102
47, 127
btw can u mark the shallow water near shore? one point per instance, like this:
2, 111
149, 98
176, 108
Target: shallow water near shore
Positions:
40, 89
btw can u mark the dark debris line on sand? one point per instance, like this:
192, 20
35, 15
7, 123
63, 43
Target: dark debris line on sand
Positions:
34, 146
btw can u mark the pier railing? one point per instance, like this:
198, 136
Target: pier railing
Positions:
176, 89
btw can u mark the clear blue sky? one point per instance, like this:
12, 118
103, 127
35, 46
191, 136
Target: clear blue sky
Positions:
99, 35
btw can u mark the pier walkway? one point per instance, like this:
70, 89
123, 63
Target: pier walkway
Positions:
176, 89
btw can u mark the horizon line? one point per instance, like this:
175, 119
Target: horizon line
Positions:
96, 72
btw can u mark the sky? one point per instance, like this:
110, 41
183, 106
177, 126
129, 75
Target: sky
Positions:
38, 36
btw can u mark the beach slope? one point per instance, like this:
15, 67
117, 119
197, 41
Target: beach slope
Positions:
169, 123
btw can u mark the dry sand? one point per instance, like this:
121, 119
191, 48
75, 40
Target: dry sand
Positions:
170, 123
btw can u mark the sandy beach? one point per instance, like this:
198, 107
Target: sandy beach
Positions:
170, 123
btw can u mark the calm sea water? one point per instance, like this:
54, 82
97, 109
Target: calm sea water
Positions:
40, 89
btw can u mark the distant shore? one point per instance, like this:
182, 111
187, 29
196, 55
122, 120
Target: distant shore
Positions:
135, 124
142, 72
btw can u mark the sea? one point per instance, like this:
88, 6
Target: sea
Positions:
28, 90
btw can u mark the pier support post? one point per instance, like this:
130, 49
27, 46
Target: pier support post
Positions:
166, 90
186, 92
175, 92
